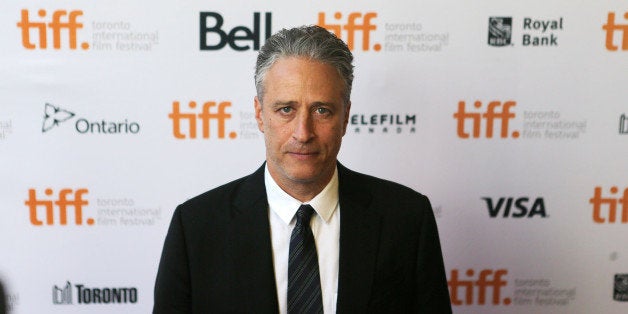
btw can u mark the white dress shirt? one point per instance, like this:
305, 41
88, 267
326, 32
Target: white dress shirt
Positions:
325, 227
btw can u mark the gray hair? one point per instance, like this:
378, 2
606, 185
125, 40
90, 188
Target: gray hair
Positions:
313, 42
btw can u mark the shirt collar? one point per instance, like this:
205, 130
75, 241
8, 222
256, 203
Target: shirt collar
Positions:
286, 206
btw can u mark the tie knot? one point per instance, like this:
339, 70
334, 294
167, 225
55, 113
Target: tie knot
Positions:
304, 213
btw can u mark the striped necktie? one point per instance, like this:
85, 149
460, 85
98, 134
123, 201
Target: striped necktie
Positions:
304, 283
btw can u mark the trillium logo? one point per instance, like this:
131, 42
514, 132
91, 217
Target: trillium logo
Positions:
53, 116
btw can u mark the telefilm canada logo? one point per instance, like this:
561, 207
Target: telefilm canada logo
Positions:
382, 123
55, 116
84, 295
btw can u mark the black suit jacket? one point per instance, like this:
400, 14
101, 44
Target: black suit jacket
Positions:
217, 256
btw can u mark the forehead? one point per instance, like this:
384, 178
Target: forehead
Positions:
299, 74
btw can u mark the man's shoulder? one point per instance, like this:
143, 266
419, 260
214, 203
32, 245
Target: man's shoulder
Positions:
244, 187
377, 186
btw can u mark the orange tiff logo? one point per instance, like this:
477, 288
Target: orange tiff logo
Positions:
485, 119
62, 21
205, 116
612, 203
474, 291
610, 27
66, 198
356, 23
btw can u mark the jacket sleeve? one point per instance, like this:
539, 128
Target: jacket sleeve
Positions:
172, 286
432, 290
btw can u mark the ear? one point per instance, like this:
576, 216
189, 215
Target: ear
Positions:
347, 111
258, 114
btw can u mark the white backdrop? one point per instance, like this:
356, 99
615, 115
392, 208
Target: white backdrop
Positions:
90, 127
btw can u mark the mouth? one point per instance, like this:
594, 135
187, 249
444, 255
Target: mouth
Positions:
303, 155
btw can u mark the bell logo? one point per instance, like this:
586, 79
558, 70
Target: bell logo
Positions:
211, 23
67, 198
474, 291
612, 203
61, 20
610, 27
206, 114
492, 113
352, 26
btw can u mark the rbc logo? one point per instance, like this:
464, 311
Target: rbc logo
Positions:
205, 116
492, 113
62, 202
61, 20
211, 25
474, 290
356, 23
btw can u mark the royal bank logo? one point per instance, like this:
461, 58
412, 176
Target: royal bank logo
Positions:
620, 290
499, 31
88, 295
54, 116
623, 124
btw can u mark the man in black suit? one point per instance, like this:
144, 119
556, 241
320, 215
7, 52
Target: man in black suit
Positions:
374, 243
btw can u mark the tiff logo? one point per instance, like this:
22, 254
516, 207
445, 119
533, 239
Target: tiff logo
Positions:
489, 116
205, 116
61, 20
352, 26
62, 202
62, 295
610, 27
612, 204
475, 290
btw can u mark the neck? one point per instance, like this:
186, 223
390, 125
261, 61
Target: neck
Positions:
302, 190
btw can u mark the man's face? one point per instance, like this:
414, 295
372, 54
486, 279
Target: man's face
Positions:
303, 120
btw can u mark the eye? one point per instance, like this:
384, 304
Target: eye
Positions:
285, 109
322, 110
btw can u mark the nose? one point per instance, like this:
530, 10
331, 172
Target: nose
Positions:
303, 128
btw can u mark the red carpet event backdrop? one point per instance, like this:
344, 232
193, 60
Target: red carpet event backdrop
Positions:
512, 116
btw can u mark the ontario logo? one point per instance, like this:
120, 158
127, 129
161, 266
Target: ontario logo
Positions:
54, 116
61, 26
88, 295
351, 26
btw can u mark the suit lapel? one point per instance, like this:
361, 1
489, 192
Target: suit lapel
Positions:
359, 236
251, 246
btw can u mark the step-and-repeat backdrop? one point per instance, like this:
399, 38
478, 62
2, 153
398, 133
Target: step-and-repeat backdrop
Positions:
511, 116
